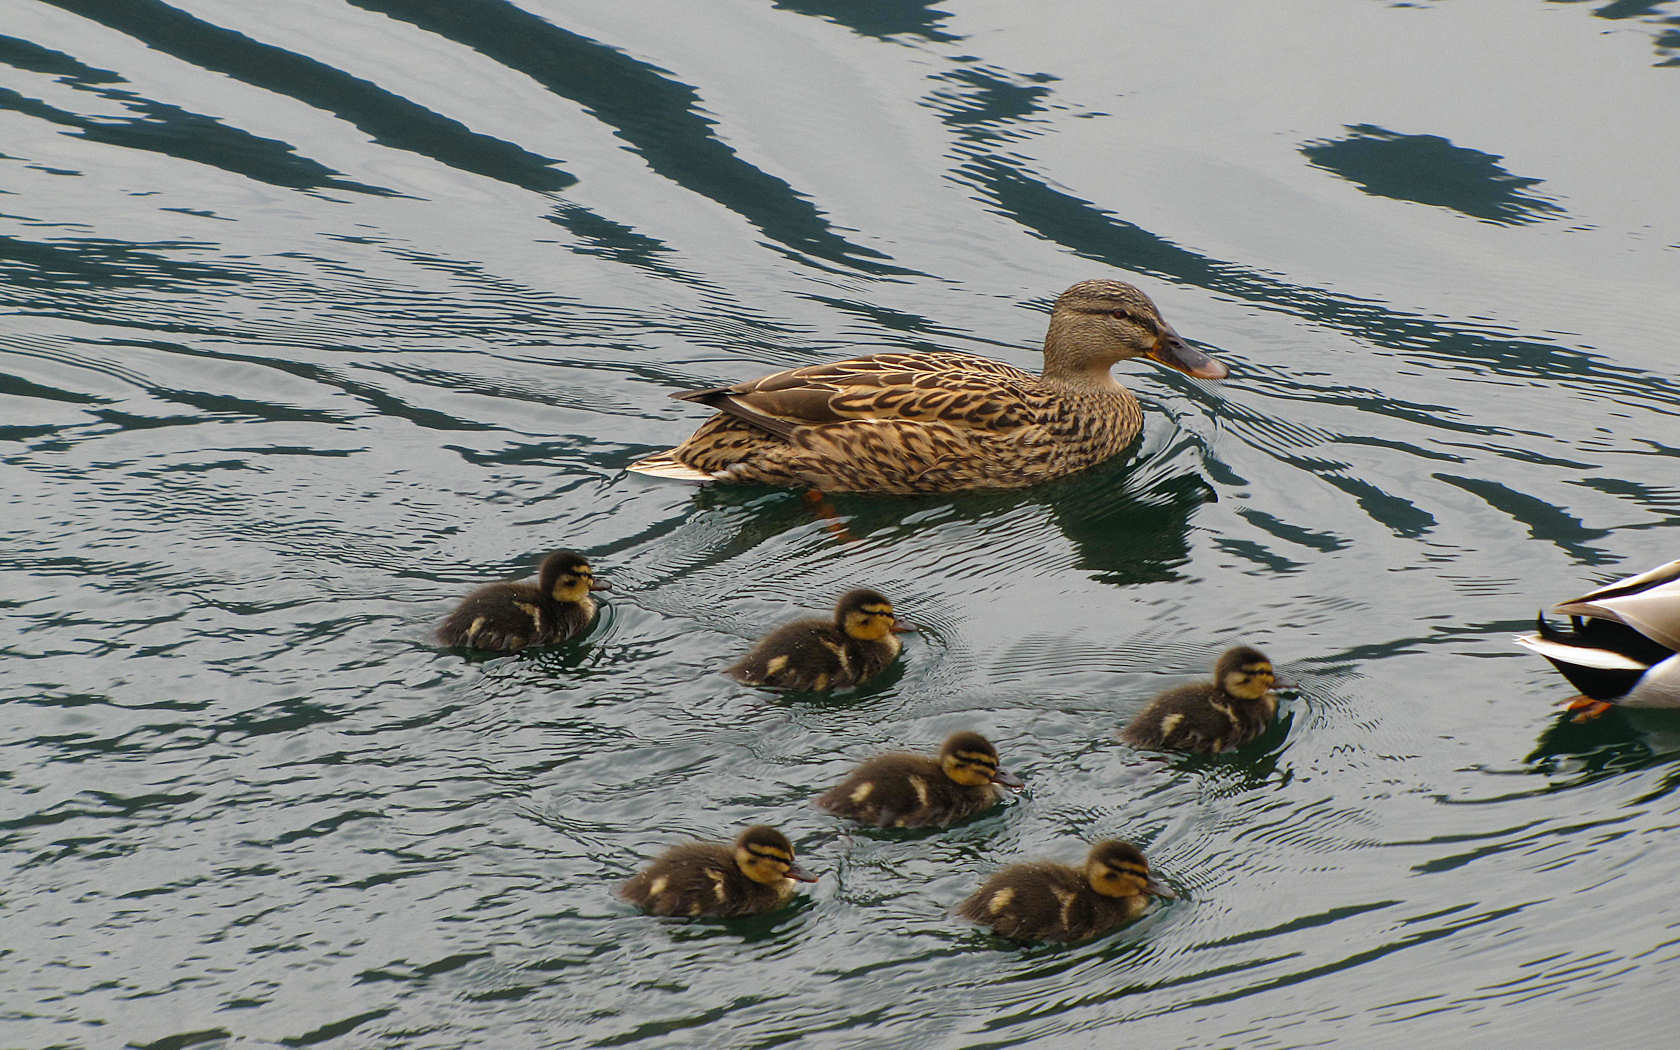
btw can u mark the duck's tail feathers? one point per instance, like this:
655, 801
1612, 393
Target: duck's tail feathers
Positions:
664, 465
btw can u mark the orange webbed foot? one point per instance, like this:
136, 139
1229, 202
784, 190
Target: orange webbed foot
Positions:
1586, 708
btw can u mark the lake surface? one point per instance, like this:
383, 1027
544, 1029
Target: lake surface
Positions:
318, 314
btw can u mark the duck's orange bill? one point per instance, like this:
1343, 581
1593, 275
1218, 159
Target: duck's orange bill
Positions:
1174, 352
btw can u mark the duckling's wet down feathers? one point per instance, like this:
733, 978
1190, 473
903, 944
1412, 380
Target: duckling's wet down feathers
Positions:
756, 873
1045, 901
815, 655
504, 617
911, 791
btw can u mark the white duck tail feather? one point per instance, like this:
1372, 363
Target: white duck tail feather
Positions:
663, 466
1580, 656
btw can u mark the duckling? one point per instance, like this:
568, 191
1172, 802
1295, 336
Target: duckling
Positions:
508, 616
754, 875
1225, 713
815, 655
1623, 646
1043, 901
915, 791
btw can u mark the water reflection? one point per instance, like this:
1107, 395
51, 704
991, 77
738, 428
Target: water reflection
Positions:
388, 118
1665, 27
1128, 520
881, 19
1428, 169
650, 109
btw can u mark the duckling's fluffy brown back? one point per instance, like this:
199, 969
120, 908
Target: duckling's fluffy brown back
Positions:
1199, 717
811, 656
907, 791
502, 617
700, 878
1044, 901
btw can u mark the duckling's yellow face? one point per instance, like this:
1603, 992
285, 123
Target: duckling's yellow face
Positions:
869, 622
766, 862
1118, 878
970, 767
1249, 680
574, 583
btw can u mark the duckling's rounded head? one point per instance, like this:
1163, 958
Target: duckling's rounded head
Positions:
1096, 323
567, 577
1118, 869
765, 855
1245, 673
971, 760
865, 615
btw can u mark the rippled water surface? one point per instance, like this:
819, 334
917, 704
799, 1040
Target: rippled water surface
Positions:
318, 313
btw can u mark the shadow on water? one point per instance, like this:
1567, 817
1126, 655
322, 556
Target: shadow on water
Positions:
1650, 12
88, 262
1428, 169
658, 115
880, 19
163, 128
388, 119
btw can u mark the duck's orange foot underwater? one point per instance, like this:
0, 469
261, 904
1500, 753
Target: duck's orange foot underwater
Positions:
1586, 708
818, 501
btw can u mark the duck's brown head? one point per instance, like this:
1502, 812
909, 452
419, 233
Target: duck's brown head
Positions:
1096, 323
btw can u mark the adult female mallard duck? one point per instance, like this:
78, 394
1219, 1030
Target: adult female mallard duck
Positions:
1043, 901
1227, 712
503, 617
940, 421
755, 874
912, 791
1623, 645
814, 655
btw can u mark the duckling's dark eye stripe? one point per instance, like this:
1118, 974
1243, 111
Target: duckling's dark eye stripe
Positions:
877, 610
770, 853
975, 759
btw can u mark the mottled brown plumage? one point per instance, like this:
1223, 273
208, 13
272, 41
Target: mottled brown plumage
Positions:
912, 791
503, 617
817, 655
1227, 712
1045, 901
754, 874
940, 421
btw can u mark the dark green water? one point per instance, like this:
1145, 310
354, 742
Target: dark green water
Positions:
317, 314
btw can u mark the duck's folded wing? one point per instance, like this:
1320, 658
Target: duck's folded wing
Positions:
960, 390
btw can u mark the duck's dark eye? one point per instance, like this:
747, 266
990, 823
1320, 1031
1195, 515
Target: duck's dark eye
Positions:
1121, 315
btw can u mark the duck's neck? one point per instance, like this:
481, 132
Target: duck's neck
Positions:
1078, 373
